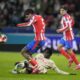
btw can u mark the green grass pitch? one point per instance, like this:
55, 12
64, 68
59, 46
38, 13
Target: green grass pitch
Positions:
7, 60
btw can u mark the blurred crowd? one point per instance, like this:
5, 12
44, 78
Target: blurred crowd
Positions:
12, 11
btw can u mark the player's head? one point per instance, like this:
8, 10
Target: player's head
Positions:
63, 10
47, 52
29, 13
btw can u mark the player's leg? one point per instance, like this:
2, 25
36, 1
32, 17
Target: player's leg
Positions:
27, 52
32, 47
53, 66
73, 56
61, 49
70, 51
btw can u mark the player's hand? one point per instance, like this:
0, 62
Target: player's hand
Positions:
58, 30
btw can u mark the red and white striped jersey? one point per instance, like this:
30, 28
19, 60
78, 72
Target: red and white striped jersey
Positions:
39, 26
67, 23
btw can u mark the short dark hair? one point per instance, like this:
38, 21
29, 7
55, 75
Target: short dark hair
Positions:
47, 52
29, 11
64, 7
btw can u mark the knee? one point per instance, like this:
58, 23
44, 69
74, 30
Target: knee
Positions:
59, 47
69, 51
22, 51
26, 52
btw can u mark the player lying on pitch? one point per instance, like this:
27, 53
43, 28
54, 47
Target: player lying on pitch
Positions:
43, 64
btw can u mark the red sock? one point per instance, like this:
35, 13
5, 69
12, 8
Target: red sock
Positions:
73, 56
33, 62
63, 52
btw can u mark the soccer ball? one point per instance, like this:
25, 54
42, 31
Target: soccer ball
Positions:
3, 38
21, 65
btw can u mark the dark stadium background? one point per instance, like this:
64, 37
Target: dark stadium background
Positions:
12, 13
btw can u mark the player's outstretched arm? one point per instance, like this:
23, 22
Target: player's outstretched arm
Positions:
56, 69
60, 71
62, 30
22, 25
26, 23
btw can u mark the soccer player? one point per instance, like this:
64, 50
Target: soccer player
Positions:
43, 64
66, 25
38, 24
